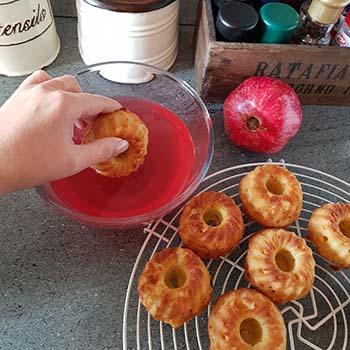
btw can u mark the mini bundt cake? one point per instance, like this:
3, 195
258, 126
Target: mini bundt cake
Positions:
245, 319
271, 195
175, 286
211, 225
127, 126
329, 231
280, 264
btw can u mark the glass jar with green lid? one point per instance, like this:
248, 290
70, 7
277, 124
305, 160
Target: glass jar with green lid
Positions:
278, 23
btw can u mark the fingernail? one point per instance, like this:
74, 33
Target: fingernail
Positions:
122, 146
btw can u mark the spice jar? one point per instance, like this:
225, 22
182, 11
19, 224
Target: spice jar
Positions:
278, 23
128, 30
28, 37
342, 39
340, 21
237, 21
315, 27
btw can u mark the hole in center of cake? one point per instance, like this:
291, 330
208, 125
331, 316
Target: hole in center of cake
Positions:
285, 260
175, 277
275, 187
212, 217
251, 331
344, 227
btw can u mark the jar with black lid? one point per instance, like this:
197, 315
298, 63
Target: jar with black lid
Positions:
220, 3
236, 21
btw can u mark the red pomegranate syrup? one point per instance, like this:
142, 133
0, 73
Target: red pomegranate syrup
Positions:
166, 171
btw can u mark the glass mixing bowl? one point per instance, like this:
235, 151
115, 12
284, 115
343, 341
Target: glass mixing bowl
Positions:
140, 87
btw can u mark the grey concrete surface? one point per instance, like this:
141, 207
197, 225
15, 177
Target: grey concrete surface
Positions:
63, 284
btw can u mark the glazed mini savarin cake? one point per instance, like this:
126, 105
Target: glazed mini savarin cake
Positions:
245, 319
175, 286
329, 231
271, 195
211, 225
280, 264
127, 126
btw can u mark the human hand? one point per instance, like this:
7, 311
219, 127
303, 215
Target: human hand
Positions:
36, 130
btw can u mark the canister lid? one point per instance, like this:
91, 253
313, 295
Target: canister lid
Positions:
238, 15
220, 3
236, 21
130, 5
279, 16
326, 11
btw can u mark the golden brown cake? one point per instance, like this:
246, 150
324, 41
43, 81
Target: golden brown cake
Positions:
271, 195
175, 286
329, 231
245, 319
280, 264
127, 126
211, 225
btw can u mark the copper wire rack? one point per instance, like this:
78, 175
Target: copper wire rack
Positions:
319, 321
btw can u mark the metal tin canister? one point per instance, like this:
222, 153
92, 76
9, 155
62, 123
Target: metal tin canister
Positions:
28, 37
139, 31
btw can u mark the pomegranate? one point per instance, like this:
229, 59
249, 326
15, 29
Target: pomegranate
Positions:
262, 114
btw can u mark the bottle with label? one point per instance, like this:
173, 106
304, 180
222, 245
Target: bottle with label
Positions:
303, 9
342, 39
315, 27
340, 22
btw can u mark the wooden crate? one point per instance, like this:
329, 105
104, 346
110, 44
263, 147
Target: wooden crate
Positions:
319, 74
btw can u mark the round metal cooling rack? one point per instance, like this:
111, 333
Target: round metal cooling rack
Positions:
319, 321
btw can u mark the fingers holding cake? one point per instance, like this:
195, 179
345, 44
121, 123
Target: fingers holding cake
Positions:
124, 125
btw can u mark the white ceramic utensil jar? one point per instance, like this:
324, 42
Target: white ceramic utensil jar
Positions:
28, 37
143, 31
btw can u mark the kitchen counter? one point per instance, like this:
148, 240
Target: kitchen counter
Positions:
63, 284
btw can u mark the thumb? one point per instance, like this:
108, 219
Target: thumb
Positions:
100, 150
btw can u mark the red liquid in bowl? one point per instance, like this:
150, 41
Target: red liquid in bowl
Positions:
165, 173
